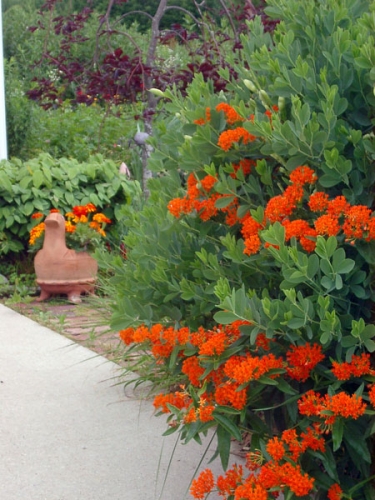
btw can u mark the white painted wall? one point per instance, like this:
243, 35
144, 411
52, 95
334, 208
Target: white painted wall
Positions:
3, 130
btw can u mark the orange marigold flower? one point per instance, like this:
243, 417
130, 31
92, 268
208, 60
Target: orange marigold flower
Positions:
36, 232
303, 175
54, 211
318, 202
69, 227
276, 449
37, 215
335, 492
101, 218
202, 485
338, 206
230, 137
327, 225
302, 360
231, 114
97, 227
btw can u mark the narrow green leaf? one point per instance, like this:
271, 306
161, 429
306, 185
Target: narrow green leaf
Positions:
228, 425
337, 433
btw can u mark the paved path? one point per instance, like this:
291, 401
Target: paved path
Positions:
68, 431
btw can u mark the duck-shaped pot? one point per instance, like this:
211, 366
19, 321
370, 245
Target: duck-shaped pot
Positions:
60, 270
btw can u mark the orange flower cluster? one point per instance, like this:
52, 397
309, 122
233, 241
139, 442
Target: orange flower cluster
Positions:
202, 485
371, 393
279, 209
230, 137
206, 119
79, 214
200, 199
302, 360
178, 399
329, 407
37, 231
359, 366
250, 367
275, 476
245, 166
230, 113
355, 221
335, 492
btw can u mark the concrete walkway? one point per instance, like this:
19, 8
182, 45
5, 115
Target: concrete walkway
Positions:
69, 432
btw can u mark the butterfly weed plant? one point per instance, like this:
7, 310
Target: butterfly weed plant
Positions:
269, 319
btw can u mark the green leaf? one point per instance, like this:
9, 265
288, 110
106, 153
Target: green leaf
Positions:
224, 202
312, 266
296, 323
225, 318
38, 178
224, 444
337, 433
5, 183
228, 425
370, 345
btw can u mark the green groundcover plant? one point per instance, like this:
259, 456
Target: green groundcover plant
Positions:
43, 183
277, 193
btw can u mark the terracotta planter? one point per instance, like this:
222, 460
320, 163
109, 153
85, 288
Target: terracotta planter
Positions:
60, 270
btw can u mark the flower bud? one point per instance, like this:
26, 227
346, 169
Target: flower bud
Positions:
188, 137
250, 85
265, 99
157, 92
281, 103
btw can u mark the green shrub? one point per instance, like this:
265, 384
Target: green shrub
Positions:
18, 110
285, 350
43, 183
